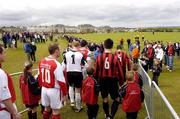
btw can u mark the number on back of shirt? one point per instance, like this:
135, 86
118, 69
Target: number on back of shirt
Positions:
106, 64
119, 58
45, 75
73, 59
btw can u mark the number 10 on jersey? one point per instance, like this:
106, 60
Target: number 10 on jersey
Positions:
45, 75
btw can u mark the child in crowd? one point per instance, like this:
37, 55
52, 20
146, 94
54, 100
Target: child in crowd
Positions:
156, 69
90, 94
30, 90
144, 62
137, 76
132, 96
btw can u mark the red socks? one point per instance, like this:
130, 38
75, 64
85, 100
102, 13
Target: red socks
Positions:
56, 116
46, 115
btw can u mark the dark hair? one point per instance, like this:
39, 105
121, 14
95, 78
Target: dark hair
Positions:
1, 48
119, 47
108, 43
52, 48
90, 71
28, 65
84, 43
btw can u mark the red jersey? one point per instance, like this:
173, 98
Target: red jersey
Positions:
47, 68
85, 52
88, 92
27, 97
51, 74
132, 98
123, 60
171, 50
150, 52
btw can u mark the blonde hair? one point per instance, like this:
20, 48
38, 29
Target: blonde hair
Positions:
75, 44
129, 75
135, 67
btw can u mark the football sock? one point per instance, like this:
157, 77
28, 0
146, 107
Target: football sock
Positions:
78, 100
46, 115
71, 94
106, 108
30, 114
114, 108
56, 116
34, 115
42, 108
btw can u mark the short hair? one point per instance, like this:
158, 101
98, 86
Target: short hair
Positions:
90, 70
1, 48
75, 44
108, 43
135, 67
129, 75
119, 47
52, 48
84, 43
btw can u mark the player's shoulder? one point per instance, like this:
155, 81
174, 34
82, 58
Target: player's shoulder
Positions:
3, 74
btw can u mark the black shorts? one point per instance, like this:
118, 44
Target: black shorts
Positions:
109, 86
32, 106
75, 79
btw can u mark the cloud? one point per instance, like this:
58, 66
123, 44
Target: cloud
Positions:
111, 14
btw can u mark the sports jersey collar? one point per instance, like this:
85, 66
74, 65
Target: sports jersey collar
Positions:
107, 51
50, 57
72, 50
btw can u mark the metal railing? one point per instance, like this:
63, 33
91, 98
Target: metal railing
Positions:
146, 89
157, 105
161, 108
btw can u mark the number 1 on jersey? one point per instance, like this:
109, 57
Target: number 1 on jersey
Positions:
73, 59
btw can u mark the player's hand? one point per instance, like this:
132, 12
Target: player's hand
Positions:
17, 116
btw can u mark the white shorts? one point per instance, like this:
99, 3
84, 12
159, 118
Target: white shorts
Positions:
51, 97
5, 114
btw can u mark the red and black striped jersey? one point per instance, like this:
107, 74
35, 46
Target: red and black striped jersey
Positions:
107, 66
123, 60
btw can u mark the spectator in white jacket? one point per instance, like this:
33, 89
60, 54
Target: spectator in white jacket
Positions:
159, 53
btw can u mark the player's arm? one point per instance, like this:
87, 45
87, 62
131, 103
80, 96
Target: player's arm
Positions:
9, 106
61, 80
128, 62
119, 69
6, 98
122, 91
64, 59
96, 68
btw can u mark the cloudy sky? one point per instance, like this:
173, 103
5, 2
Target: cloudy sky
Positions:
128, 13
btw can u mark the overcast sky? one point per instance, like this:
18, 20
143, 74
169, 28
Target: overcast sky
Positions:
128, 13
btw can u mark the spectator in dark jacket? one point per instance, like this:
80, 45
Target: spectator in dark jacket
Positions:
156, 70
132, 97
33, 52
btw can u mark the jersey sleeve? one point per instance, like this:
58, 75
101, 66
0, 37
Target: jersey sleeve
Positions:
88, 56
4, 89
59, 76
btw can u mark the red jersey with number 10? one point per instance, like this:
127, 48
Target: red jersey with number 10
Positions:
47, 67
